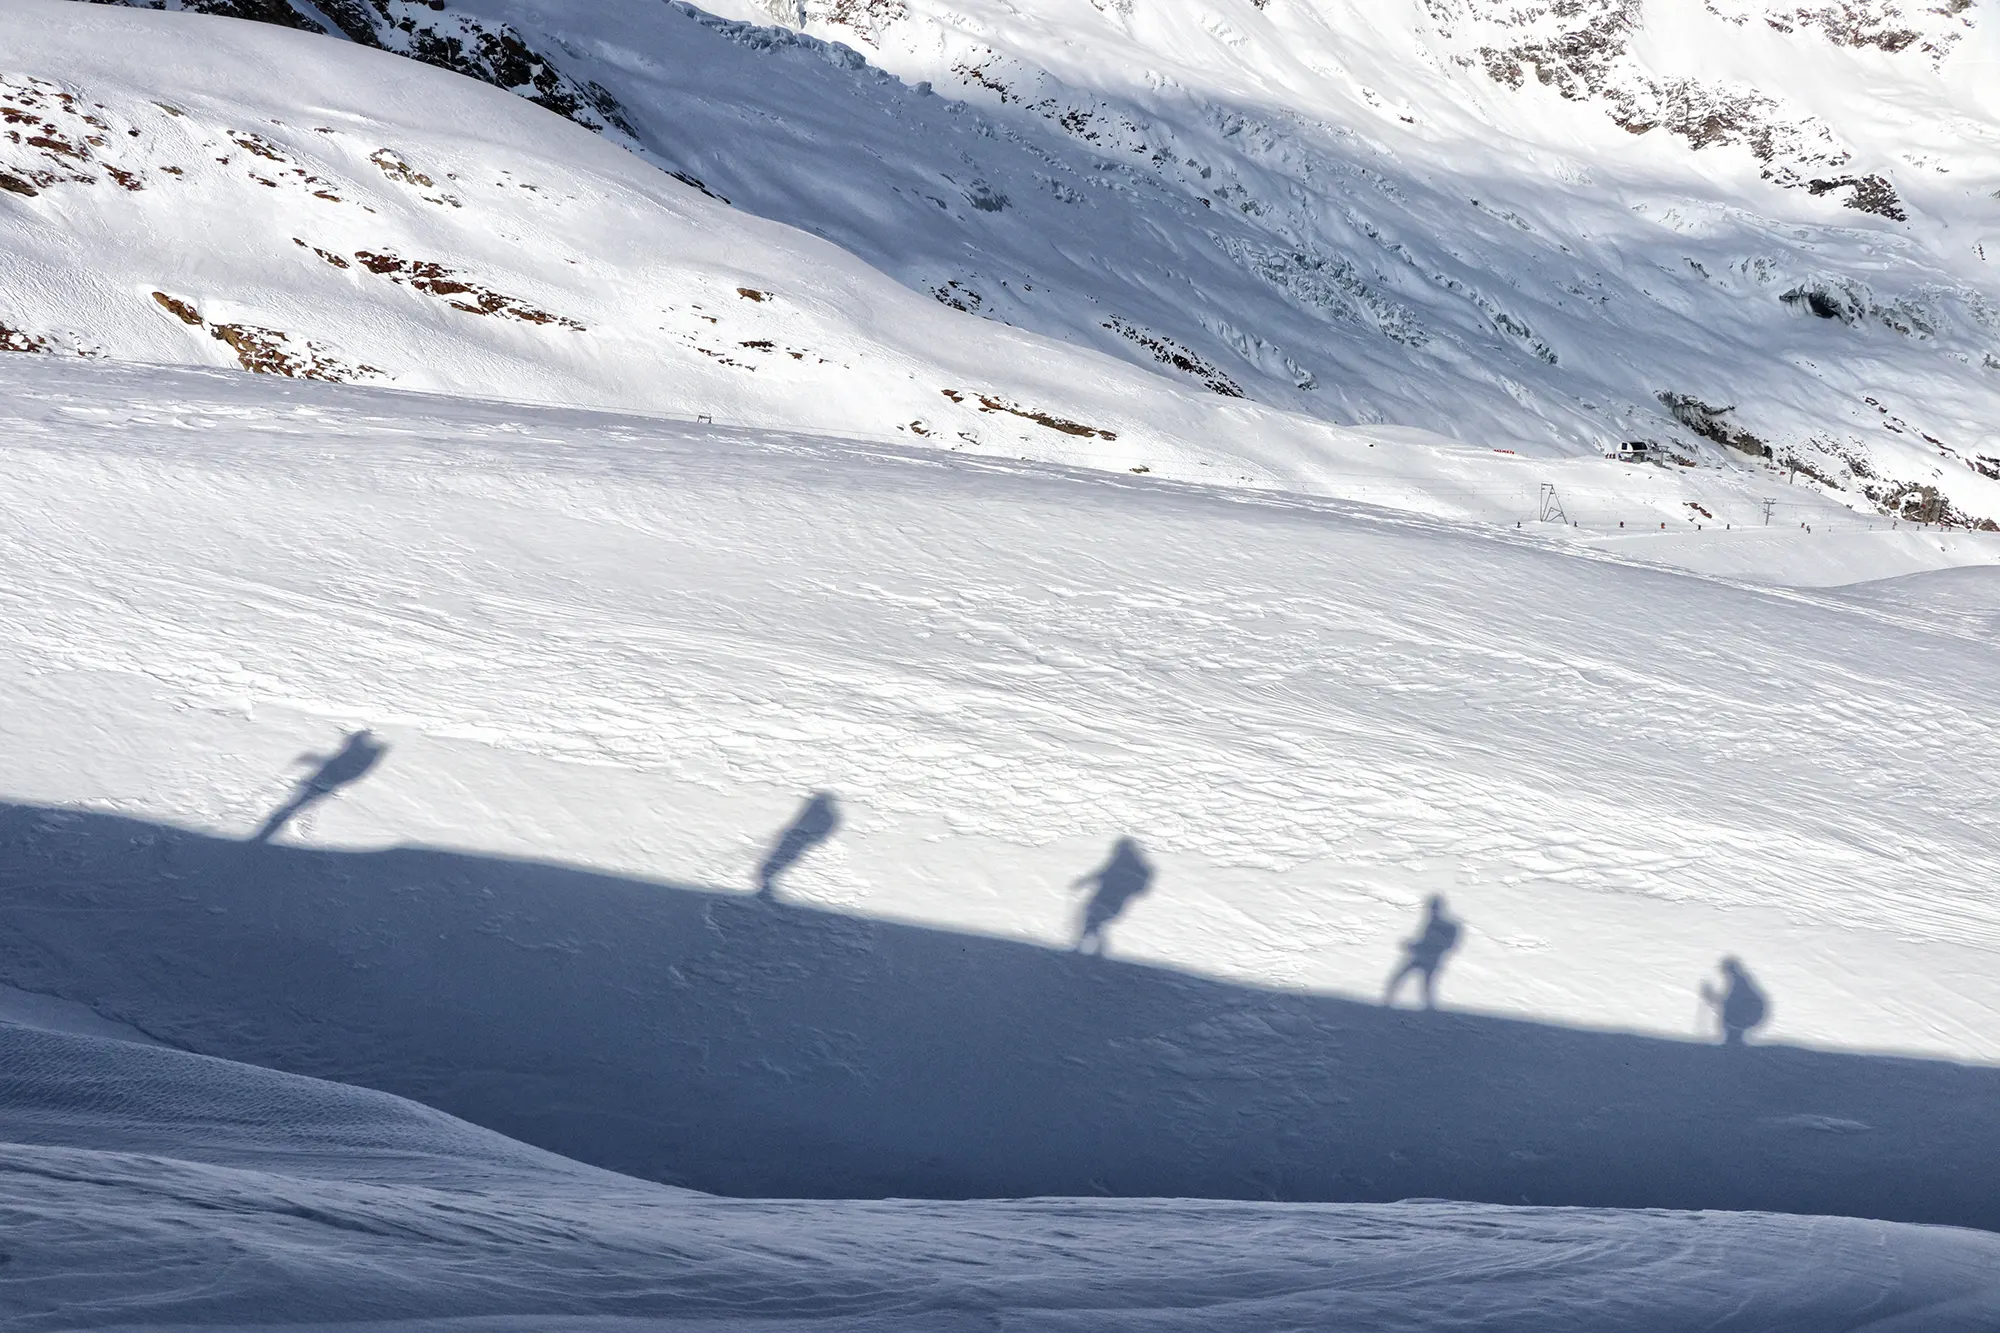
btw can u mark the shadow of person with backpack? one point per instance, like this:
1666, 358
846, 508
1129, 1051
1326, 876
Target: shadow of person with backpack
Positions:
1740, 1004
815, 822
1119, 880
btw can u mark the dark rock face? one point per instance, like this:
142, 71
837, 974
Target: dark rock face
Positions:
428, 31
1583, 50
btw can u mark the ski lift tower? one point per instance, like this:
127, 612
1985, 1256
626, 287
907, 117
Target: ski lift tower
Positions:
1548, 507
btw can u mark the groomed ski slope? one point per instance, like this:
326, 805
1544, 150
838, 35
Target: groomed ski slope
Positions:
611, 658
151, 1187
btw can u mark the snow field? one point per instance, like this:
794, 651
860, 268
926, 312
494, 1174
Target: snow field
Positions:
1282, 693
996, 599
628, 647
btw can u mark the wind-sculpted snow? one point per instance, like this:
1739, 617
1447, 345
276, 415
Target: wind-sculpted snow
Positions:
1512, 222
154, 1188
769, 812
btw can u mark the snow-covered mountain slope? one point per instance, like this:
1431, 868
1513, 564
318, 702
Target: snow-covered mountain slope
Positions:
201, 191
611, 659
154, 1188
277, 202
1727, 226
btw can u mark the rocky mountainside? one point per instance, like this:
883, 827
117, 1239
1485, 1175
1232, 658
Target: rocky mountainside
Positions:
194, 191
1750, 232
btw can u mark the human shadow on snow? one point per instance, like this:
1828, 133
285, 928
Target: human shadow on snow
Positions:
1423, 956
1123, 877
746, 1046
816, 821
357, 755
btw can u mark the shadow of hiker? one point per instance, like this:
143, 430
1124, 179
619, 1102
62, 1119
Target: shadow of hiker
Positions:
815, 822
704, 1038
1424, 956
1740, 1004
1119, 880
343, 768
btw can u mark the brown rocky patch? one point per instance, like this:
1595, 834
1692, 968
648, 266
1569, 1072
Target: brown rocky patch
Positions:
329, 256
260, 146
265, 351
17, 340
179, 309
436, 280
991, 403
1917, 502
396, 169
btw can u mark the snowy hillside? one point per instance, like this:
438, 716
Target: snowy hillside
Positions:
152, 1187
611, 661
1001, 683
210, 192
1726, 226
387, 223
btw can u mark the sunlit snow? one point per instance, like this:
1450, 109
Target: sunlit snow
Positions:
655, 770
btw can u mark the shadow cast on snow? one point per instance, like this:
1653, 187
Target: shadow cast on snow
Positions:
748, 1047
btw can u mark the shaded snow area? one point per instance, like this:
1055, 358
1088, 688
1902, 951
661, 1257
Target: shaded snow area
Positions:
779, 817
145, 1186
1734, 229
